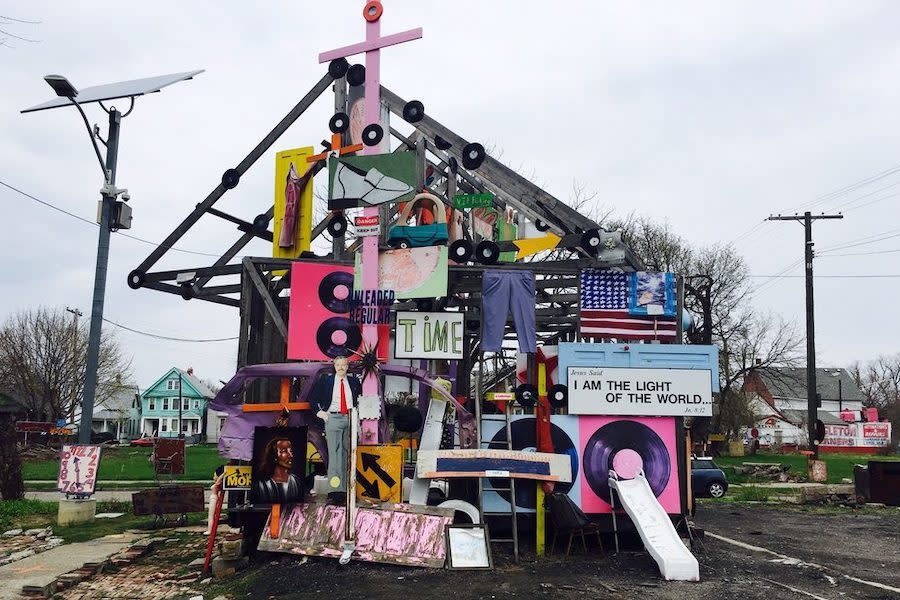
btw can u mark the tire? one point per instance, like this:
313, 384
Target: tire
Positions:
716, 489
403, 244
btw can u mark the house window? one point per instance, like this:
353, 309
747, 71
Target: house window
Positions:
186, 404
174, 425
164, 422
184, 426
172, 384
151, 404
196, 404
165, 404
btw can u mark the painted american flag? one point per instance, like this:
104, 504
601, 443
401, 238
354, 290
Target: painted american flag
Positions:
604, 310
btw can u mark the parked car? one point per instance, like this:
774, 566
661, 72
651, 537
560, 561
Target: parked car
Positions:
144, 441
419, 236
707, 479
103, 437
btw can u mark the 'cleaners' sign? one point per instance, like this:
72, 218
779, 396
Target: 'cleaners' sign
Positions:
640, 392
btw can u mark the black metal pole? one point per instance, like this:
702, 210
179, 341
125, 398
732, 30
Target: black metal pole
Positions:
811, 406
93, 351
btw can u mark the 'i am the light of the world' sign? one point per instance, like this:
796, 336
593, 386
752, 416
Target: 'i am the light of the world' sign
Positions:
640, 392
429, 335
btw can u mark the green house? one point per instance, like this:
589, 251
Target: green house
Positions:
160, 404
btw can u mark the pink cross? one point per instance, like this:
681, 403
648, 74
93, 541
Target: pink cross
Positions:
372, 12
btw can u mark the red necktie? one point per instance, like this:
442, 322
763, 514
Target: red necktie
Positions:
343, 398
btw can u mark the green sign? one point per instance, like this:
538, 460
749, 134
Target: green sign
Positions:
473, 201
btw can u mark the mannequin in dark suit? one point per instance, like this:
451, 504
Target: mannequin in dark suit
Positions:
332, 397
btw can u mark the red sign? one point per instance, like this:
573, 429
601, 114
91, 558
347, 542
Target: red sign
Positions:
366, 226
34, 426
876, 430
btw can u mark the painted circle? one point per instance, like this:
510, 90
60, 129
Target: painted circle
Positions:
627, 463
341, 291
524, 435
340, 338
335, 482
372, 11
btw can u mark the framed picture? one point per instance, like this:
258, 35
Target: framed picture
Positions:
468, 546
279, 460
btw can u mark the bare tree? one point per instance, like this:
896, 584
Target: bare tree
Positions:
43, 356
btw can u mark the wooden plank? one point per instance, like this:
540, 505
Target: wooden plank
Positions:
274, 314
482, 462
432, 432
275, 406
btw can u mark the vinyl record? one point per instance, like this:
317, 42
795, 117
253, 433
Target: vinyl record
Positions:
372, 134
413, 111
330, 297
603, 445
339, 122
356, 75
441, 143
338, 67
325, 338
473, 155
524, 436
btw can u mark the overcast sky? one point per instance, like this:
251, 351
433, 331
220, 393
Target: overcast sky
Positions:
710, 115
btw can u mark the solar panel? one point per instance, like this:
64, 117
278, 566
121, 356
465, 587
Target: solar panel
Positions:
122, 89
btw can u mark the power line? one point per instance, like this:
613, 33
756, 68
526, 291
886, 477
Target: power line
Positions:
167, 338
73, 215
861, 253
873, 276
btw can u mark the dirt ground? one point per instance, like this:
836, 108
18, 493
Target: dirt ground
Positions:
861, 545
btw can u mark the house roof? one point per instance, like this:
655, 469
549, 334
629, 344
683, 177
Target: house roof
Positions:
192, 384
796, 417
785, 382
118, 404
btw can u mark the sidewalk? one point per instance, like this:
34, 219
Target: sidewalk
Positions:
100, 496
41, 570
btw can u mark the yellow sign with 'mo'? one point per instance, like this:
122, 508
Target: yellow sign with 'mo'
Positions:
237, 477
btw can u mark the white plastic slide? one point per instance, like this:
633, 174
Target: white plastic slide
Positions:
655, 527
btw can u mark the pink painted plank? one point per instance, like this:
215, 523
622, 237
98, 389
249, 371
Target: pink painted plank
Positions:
371, 44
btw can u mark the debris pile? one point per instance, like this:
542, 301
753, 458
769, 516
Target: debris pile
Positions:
768, 472
843, 495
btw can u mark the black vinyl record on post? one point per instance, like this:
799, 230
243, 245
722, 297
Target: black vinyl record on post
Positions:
558, 395
473, 155
372, 134
356, 75
461, 251
487, 252
338, 67
326, 291
337, 226
339, 123
526, 395
327, 329
590, 241
441, 143
413, 111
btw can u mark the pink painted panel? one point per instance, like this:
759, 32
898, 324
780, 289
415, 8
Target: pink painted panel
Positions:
652, 438
308, 312
401, 536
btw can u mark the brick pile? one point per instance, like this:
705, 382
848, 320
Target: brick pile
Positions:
17, 544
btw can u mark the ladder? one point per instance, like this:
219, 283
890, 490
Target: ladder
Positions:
484, 484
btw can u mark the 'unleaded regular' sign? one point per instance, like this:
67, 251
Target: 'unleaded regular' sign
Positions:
640, 392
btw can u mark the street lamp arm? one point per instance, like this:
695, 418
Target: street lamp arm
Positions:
93, 141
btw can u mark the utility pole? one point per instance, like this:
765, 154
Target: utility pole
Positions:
812, 402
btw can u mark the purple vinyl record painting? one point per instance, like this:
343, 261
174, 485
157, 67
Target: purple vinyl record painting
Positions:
613, 437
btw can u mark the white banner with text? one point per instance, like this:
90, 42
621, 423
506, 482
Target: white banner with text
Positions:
640, 392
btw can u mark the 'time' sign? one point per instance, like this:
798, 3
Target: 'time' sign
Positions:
429, 335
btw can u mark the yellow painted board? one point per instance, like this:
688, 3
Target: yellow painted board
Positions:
300, 238
379, 472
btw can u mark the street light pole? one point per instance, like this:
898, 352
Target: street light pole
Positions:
93, 351
180, 403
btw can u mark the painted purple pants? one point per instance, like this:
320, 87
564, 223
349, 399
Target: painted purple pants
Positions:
501, 292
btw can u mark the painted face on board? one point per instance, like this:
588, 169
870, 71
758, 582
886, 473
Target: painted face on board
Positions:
341, 364
284, 454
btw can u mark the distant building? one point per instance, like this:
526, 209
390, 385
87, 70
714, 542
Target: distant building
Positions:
160, 404
778, 395
120, 413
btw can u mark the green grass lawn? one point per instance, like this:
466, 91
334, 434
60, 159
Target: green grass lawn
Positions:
28, 514
131, 463
839, 466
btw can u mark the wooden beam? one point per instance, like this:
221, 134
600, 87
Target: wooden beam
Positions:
256, 279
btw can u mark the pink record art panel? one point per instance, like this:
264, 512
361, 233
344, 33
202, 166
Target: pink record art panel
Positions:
649, 441
319, 327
